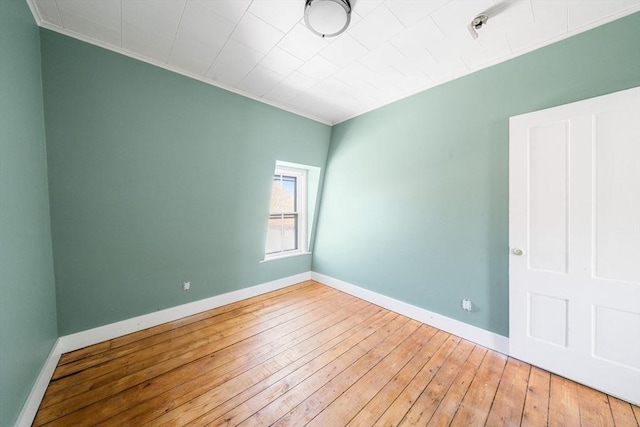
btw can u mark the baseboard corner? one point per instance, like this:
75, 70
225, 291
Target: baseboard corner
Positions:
31, 405
67, 343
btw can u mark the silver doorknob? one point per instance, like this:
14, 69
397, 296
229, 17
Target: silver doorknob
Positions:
516, 251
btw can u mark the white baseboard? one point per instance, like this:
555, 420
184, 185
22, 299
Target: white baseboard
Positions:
30, 408
82, 339
114, 330
471, 333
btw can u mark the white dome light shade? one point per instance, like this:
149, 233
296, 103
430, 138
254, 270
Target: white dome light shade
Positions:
327, 18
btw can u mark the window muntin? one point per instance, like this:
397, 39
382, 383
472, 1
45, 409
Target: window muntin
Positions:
286, 231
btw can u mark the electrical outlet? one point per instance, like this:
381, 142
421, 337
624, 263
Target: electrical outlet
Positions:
467, 305
186, 286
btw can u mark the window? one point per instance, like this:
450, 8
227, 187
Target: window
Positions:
287, 229
294, 193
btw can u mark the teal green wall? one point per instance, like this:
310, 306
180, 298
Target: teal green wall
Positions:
27, 291
155, 179
415, 202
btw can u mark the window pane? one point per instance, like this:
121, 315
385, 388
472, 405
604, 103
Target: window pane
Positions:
289, 185
290, 235
282, 234
283, 195
274, 236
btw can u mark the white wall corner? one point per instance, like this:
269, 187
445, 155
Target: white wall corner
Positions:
469, 332
30, 408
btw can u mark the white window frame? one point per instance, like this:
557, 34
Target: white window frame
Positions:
301, 211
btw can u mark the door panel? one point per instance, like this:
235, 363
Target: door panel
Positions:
611, 346
617, 177
574, 235
548, 187
548, 319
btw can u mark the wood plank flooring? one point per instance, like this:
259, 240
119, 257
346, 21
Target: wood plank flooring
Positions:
311, 355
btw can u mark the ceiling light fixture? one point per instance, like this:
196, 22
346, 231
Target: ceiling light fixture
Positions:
327, 18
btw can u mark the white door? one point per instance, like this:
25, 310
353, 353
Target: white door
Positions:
574, 237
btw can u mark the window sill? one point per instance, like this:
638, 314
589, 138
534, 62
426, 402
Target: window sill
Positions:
276, 257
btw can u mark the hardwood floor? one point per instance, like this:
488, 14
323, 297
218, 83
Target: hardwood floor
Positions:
311, 355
